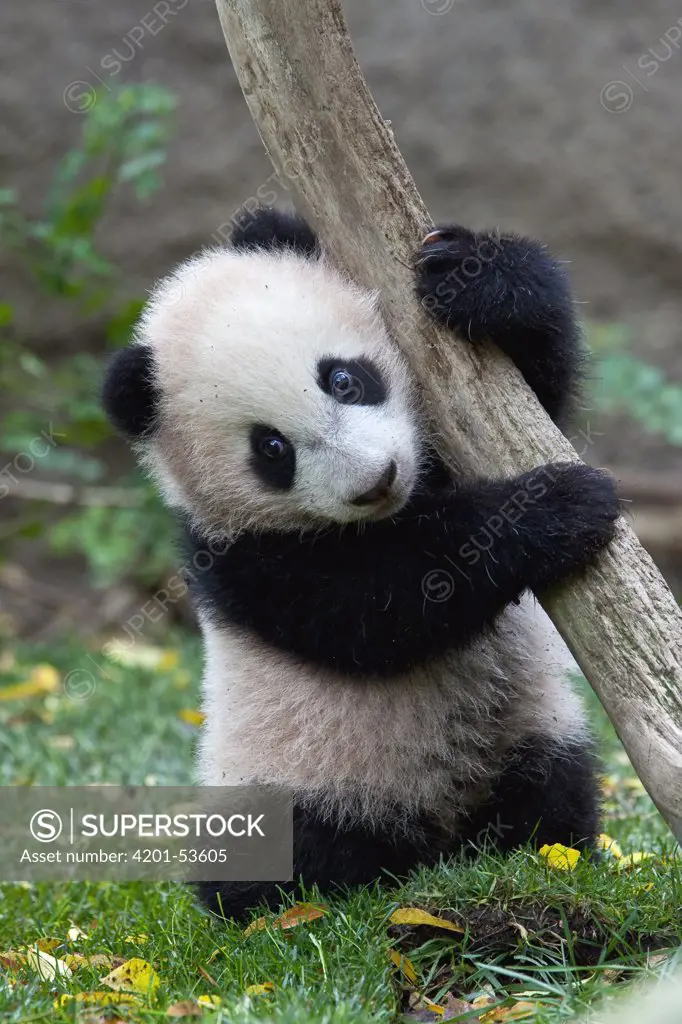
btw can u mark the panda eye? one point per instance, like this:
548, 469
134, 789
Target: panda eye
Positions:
273, 456
272, 446
344, 387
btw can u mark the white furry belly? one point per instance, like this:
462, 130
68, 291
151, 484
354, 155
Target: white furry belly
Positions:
422, 742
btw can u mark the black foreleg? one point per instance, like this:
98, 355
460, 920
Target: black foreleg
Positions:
511, 291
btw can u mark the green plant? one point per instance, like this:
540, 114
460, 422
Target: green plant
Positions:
626, 384
122, 146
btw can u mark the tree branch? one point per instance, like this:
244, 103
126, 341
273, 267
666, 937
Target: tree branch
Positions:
331, 146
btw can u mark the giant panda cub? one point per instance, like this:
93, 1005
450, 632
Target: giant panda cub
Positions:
371, 637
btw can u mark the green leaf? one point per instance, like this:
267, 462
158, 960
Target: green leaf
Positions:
120, 328
132, 169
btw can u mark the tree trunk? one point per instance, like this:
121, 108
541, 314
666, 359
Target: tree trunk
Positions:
333, 150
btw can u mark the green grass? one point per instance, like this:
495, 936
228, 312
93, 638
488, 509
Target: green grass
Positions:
565, 937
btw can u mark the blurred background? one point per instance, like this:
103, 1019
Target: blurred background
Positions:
125, 145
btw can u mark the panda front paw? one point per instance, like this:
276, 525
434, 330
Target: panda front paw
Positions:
449, 260
486, 285
578, 514
511, 291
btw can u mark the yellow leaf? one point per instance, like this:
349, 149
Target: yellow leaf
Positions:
519, 1011
133, 976
610, 845
412, 915
74, 933
633, 860
137, 940
191, 716
168, 660
77, 960
48, 945
259, 990
47, 966
404, 965
139, 656
563, 858
96, 999
42, 680
256, 926
210, 1000
297, 914
291, 918
433, 1007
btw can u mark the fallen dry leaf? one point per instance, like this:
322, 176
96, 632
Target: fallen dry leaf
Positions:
48, 945
519, 1011
12, 958
291, 918
609, 845
563, 858
413, 915
46, 966
209, 1000
133, 976
633, 860
422, 1008
76, 961
42, 680
259, 990
404, 965
256, 926
74, 933
96, 999
141, 656
137, 940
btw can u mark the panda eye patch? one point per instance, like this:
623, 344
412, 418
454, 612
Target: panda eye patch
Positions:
273, 458
351, 382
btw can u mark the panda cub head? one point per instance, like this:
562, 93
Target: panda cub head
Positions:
263, 392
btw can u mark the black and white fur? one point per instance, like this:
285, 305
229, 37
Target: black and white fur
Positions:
407, 718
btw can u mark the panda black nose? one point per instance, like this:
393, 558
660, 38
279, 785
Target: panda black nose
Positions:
381, 487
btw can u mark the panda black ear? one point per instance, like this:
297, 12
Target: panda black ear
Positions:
130, 394
265, 228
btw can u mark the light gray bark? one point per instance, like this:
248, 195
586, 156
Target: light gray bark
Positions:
337, 155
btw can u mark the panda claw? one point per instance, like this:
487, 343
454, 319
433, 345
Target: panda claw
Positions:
433, 236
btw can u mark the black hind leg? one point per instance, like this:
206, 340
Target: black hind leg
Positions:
547, 793
266, 228
331, 857
510, 290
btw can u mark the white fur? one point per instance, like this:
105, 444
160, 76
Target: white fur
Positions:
237, 338
427, 741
